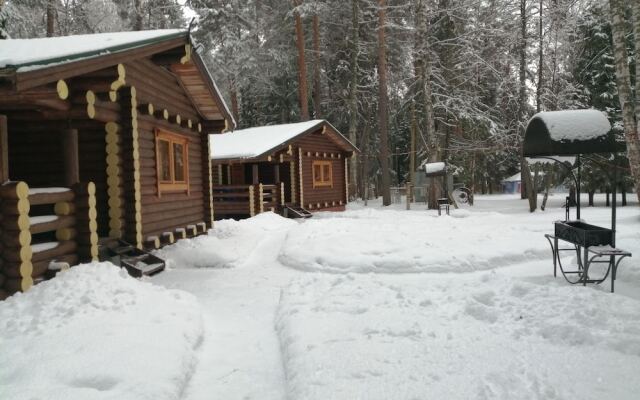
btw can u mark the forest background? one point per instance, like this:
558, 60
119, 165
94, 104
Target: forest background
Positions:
408, 81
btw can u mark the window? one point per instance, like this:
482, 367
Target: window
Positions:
172, 162
322, 174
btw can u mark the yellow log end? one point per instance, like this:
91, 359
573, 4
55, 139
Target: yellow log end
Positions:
90, 96
62, 89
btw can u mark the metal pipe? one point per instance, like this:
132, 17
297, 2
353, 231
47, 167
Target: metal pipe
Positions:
573, 176
578, 189
613, 206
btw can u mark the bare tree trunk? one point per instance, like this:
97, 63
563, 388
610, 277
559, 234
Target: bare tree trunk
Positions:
429, 119
633, 138
233, 94
525, 173
547, 185
472, 169
540, 62
51, 17
317, 98
302, 65
412, 151
138, 23
383, 104
3, 22
353, 97
365, 162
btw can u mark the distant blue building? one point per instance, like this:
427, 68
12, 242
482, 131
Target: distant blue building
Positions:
512, 184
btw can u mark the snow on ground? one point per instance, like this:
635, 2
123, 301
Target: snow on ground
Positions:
96, 333
226, 245
374, 240
370, 303
240, 357
481, 336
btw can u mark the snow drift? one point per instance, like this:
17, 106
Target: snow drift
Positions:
227, 245
369, 240
93, 332
482, 336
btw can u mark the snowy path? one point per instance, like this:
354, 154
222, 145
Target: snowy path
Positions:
240, 356
318, 309
366, 304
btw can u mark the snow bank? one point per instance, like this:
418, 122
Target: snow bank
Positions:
96, 333
575, 125
485, 337
388, 241
227, 245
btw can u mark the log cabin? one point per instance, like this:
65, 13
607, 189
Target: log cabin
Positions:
293, 169
103, 138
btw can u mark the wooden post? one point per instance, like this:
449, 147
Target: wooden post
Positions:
292, 173
252, 208
255, 175
86, 224
282, 199
301, 180
113, 179
346, 180
4, 149
276, 173
407, 189
207, 181
261, 198
71, 158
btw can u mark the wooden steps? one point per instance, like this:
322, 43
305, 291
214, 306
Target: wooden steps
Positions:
137, 262
293, 211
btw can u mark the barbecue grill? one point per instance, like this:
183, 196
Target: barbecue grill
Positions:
576, 133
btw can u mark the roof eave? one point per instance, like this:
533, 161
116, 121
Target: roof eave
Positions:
97, 53
287, 142
213, 89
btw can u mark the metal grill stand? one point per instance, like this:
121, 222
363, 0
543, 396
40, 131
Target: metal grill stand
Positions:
591, 244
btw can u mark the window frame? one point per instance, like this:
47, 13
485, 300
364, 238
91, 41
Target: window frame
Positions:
323, 181
173, 139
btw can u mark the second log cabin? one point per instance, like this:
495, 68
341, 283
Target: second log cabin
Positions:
102, 137
289, 168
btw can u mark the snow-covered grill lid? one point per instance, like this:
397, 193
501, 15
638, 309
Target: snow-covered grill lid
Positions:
569, 132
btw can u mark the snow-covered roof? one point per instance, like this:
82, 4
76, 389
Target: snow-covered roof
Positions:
575, 125
24, 55
513, 178
518, 177
432, 168
255, 142
30, 54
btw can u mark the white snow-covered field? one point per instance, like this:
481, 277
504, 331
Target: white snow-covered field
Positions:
370, 303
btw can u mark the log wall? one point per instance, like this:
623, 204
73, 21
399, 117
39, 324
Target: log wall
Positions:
165, 211
317, 146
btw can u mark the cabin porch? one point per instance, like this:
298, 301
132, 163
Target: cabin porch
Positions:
48, 215
245, 190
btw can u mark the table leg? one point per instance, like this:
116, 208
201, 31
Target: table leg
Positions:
555, 255
586, 266
614, 267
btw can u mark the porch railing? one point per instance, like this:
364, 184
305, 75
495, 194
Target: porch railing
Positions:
247, 199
